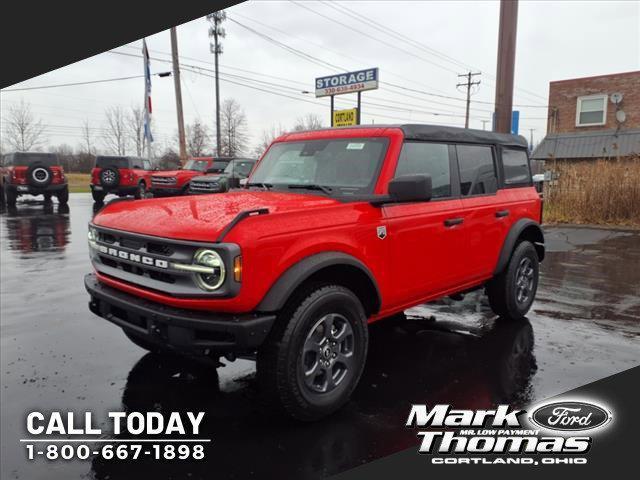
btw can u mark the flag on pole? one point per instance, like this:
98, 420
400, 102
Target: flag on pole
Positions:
148, 137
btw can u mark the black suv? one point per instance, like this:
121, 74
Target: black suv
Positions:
237, 170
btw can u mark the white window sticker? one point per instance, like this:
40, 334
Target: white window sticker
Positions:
355, 146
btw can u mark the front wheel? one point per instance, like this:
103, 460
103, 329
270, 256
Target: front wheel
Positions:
141, 191
512, 292
315, 354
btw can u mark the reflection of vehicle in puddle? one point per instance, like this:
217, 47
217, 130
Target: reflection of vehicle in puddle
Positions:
37, 228
409, 362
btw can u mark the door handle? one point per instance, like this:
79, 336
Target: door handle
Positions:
502, 213
450, 222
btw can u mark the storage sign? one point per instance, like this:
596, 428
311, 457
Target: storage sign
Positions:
347, 82
345, 118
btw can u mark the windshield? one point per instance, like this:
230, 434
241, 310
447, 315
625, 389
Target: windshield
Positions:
218, 166
239, 168
197, 165
348, 165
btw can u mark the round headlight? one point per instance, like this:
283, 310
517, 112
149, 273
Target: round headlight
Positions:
211, 280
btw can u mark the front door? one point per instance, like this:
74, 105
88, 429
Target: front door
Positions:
426, 238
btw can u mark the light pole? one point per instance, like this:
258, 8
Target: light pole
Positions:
217, 32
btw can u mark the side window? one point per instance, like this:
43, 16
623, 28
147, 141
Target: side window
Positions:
427, 158
146, 164
515, 167
477, 170
136, 163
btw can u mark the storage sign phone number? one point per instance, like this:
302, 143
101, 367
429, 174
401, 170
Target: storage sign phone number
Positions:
115, 451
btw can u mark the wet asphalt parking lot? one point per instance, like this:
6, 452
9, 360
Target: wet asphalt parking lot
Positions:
56, 355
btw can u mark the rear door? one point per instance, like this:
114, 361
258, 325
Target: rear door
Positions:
485, 217
426, 238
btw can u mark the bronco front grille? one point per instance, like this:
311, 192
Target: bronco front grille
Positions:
163, 180
204, 186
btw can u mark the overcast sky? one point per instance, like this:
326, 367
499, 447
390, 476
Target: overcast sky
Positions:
556, 40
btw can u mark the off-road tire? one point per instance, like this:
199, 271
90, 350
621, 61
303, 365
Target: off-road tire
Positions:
98, 197
109, 177
280, 359
502, 290
141, 191
34, 171
63, 196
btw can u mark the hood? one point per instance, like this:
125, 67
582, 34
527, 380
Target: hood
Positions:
209, 178
199, 218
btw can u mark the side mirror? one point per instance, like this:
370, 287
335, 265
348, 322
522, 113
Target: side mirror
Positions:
410, 188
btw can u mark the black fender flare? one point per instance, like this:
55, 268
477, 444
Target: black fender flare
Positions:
533, 228
295, 275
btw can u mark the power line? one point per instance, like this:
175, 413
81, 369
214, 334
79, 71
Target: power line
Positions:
90, 82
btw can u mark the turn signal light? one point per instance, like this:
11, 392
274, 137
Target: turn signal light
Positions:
237, 268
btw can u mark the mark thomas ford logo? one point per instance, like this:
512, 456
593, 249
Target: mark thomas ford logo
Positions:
570, 416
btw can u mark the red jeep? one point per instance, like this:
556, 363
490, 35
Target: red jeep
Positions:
176, 182
34, 174
121, 176
336, 228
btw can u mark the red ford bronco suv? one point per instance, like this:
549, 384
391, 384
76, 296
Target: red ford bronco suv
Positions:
121, 176
34, 174
176, 182
335, 229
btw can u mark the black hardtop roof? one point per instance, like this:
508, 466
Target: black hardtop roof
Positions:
439, 133
464, 135
32, 156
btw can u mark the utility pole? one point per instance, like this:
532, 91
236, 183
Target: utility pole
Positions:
531, 139
506, 63
217, 32
178, 88
468, 84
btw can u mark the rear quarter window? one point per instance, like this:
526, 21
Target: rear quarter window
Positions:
515, 167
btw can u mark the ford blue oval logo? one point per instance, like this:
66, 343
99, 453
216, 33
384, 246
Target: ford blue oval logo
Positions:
570, 416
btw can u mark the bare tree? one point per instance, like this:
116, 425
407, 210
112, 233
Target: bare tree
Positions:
22, 131
198, 139
233, 126
268, 136
311, 121
135, 128
115, 137
87, 137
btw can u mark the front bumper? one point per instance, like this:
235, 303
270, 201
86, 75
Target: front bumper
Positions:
166, 191
26, 189
187, 331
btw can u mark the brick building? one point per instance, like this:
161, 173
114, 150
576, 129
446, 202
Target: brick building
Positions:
588, 119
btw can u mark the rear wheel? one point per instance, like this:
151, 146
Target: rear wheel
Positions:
63, 196
11, 196
512, 292
98, 197
315, 354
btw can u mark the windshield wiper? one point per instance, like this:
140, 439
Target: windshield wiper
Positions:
312, 186
264, 186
